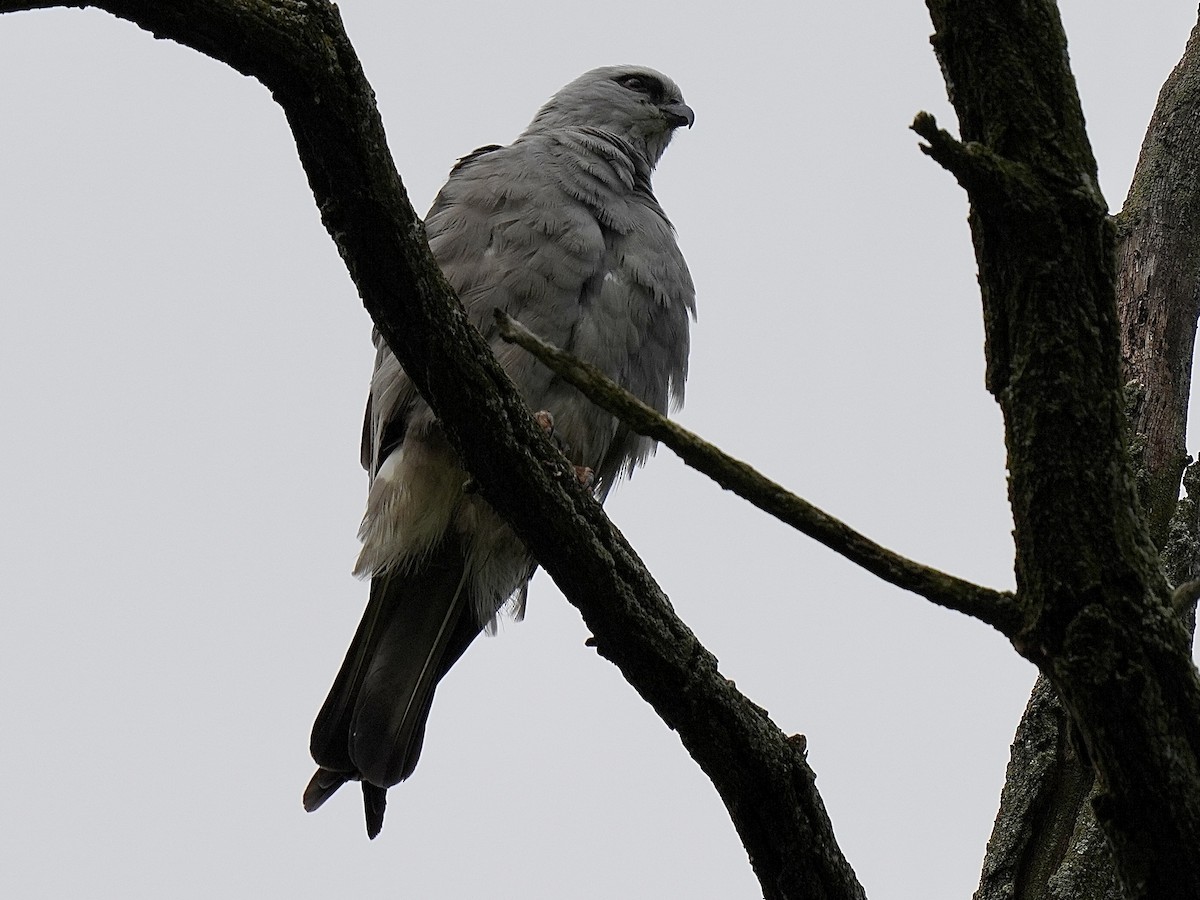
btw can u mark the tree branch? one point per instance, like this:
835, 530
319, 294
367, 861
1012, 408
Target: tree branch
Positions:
996, 608
1101, 626
1156, 300
1158, 254
299, 50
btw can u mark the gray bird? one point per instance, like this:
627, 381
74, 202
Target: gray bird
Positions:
561, 230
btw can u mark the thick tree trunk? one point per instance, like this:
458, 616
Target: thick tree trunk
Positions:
1047, 841
1045, 834
1158, 277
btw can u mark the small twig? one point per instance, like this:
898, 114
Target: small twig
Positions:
997, 608
972, 163
988, 176
981, 171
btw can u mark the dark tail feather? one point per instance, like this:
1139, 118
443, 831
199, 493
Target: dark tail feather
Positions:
374, 804
321, 788
372, 725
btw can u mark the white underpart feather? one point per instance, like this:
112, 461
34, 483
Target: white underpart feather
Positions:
412, 500
497, 562
415, 498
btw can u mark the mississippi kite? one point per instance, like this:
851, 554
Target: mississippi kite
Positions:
561, 230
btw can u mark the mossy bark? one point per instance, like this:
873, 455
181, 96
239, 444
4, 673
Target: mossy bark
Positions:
1121, 699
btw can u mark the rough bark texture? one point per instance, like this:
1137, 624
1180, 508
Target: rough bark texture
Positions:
1045, 826
298, 49
1045, 834
1158, 257
1098, 618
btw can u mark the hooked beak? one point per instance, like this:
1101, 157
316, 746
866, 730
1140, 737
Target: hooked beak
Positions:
678, 113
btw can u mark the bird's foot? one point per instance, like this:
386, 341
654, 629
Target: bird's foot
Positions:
545, 420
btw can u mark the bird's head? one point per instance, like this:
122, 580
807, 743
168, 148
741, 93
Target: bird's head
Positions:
639, 105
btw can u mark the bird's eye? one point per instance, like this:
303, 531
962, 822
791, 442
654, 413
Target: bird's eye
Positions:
638, 83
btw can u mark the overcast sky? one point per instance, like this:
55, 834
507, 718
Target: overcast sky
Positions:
183, 365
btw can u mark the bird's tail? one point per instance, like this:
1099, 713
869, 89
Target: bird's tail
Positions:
416, 625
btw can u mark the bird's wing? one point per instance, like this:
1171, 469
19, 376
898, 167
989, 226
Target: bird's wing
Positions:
390, 401
571, 244
506, 235
647, 302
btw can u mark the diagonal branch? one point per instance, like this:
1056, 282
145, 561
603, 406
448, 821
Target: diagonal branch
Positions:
996, 608
300, 52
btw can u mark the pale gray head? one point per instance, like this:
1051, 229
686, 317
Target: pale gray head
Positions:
638, 105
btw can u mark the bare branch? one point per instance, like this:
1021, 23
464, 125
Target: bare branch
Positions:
996, 608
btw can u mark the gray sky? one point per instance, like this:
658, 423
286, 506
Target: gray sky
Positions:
183, 364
